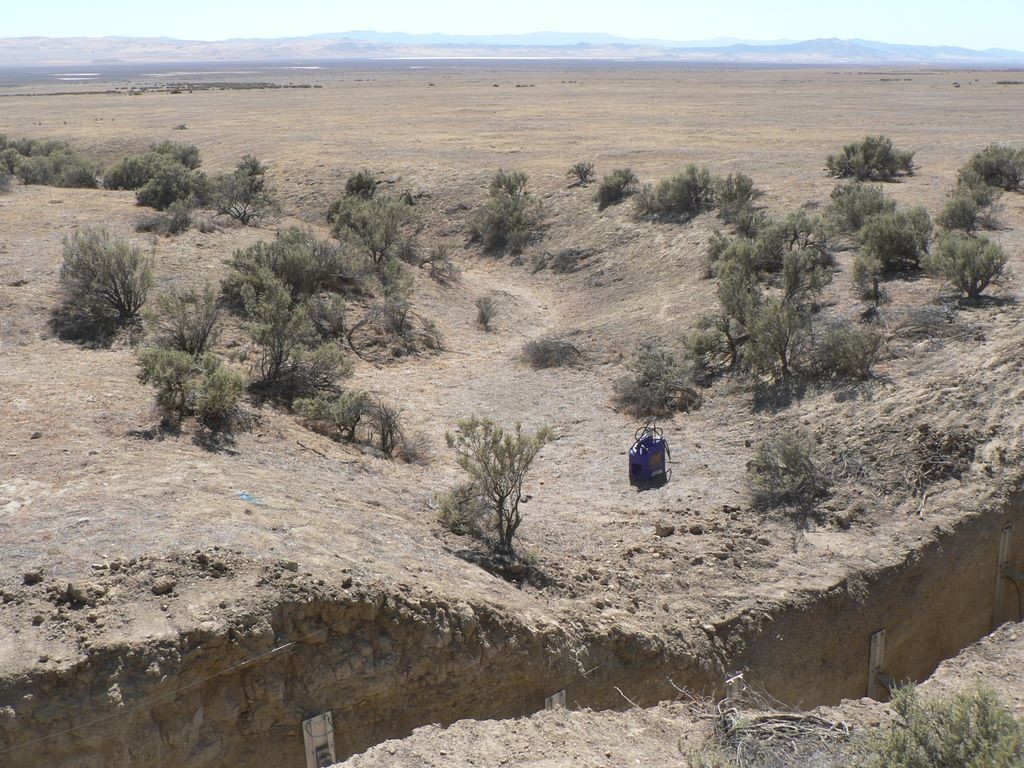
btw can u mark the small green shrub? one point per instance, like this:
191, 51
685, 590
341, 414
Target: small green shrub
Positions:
245, 195
296, 258
509, 219
998, 165
783, 471
497, 461
5, 181
679, 197
550, 352
803, 277
184, 154
327, 312
866, 273
874, 158
218, 396
173, 374
616, 187
846, 350
104, 275
187, 320
440, 266
47, 163
969, 264
386, 427
376, 228
170, 183
337, 416
897, 240
660, 385
361, 184
463, 511
734, 197
971, 729
581, 173
779, 336
852, 204
486, 309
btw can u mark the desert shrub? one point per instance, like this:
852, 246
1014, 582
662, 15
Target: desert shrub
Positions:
734, 197
131, 172
616, 187
463, 511
385, 426
173, 373
48, 163
783, 471
104, 275
218, 396
803, 277
175, 220
874, 158
440, 266
968, 729
183, 154
581, 173
550, 352
998, 165
337, 415
799, 231
852, 204
327, 313
361, 184
969, 264
846, 350
187, 320
296, 258
170, 183
681, 196
497, 461
897, 241
960, 212
245, 195
292, 362
660, 385
5, 181
376, 228
866, 273
486, 309
779, 333
510, 217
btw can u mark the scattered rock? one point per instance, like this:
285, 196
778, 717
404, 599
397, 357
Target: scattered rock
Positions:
764, 541
32, 577
664, 529
35, 435
696, 529
163, 585
290, 565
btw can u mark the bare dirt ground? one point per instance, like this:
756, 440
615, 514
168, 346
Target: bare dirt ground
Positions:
89, 491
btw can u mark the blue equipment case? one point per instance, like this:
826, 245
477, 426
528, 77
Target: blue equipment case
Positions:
648, 457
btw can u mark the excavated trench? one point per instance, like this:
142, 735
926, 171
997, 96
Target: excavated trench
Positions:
384, 665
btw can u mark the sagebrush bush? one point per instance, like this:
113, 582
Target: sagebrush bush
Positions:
47, 163
852, 204
803, 277
377, 228
969, 264
296, 258
897, 240
680, 197
581, 173
873, 158
440, 266
510, 218
846, 350
245, 195
5, 181
779, 334
550, 352
218, 396
734, 197
292, 361
616, 187
361, 184
998, 165
171, 183
968, 729
136, 171
185, 154
783, 471
497, 461
173, 373
104, 275
336, 415
660, 385
187, 320
386, 427
486, 309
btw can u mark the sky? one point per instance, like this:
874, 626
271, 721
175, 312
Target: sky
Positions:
977, 24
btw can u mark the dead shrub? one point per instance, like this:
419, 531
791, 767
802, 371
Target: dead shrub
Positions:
783, 471
550, 352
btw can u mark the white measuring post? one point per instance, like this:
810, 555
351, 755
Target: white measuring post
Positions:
318, 734
555, 700
878, 680
734, 686
1002, 566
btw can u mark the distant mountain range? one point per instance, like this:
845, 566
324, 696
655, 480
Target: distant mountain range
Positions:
367, 45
